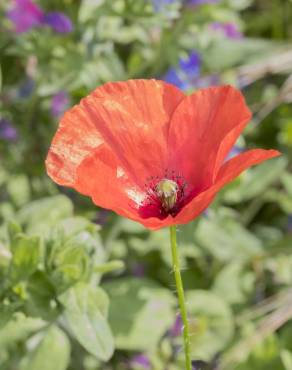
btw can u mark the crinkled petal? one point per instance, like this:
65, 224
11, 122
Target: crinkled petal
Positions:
120, 128
228, 172
100, 177
203, 129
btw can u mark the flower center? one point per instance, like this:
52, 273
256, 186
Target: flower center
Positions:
164, 196
166, 191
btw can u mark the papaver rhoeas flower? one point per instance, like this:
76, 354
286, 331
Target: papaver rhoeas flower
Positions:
150, 153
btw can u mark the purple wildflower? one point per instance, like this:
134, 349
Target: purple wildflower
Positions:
59, 103
191, 65
176, 329
228, 29
201, 2
7, 131
25, 15
187, 71
142, 361
58, 21
172, 77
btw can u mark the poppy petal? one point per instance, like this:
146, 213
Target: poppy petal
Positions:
203, 129
131, 118
100, 177
228, 172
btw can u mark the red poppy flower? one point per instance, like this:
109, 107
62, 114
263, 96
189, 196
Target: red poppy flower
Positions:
145, 150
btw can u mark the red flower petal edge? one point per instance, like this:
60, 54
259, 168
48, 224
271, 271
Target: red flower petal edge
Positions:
148, 152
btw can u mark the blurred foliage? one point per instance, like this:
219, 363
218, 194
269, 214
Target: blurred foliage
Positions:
82, 289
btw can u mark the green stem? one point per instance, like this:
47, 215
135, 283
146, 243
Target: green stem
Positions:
181, 296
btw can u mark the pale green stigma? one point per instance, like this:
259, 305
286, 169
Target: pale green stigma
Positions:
167, 192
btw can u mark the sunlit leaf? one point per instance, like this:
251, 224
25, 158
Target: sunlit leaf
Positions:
85, 312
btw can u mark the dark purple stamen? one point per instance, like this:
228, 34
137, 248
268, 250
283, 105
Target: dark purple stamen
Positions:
155, 205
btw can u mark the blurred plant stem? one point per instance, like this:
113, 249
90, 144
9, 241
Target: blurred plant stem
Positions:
181, 296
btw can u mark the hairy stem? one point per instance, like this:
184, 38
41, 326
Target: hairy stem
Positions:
181, 296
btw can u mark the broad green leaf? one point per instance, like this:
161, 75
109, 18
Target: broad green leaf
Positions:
239, 4
211, 323
227, 239
19, 189
75, 225
140, 313
40, 297
73, 252
286, 357
226, 53
234, 283
6, 314
69, 265
89, 10
53, 352
85, 312
287, 182
26, 255
41, 215
5, 256
18, 329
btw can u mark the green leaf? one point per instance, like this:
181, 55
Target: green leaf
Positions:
226, 53
6, 314
85, 312
13, 229
40, 297
18, 329
140, 313
53, 352
286, 357
74, 225
26, 254
68, 266
41, 215
234, 283
89, 10
226, 239
211, 323
287, 182
19, 189
5, 256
